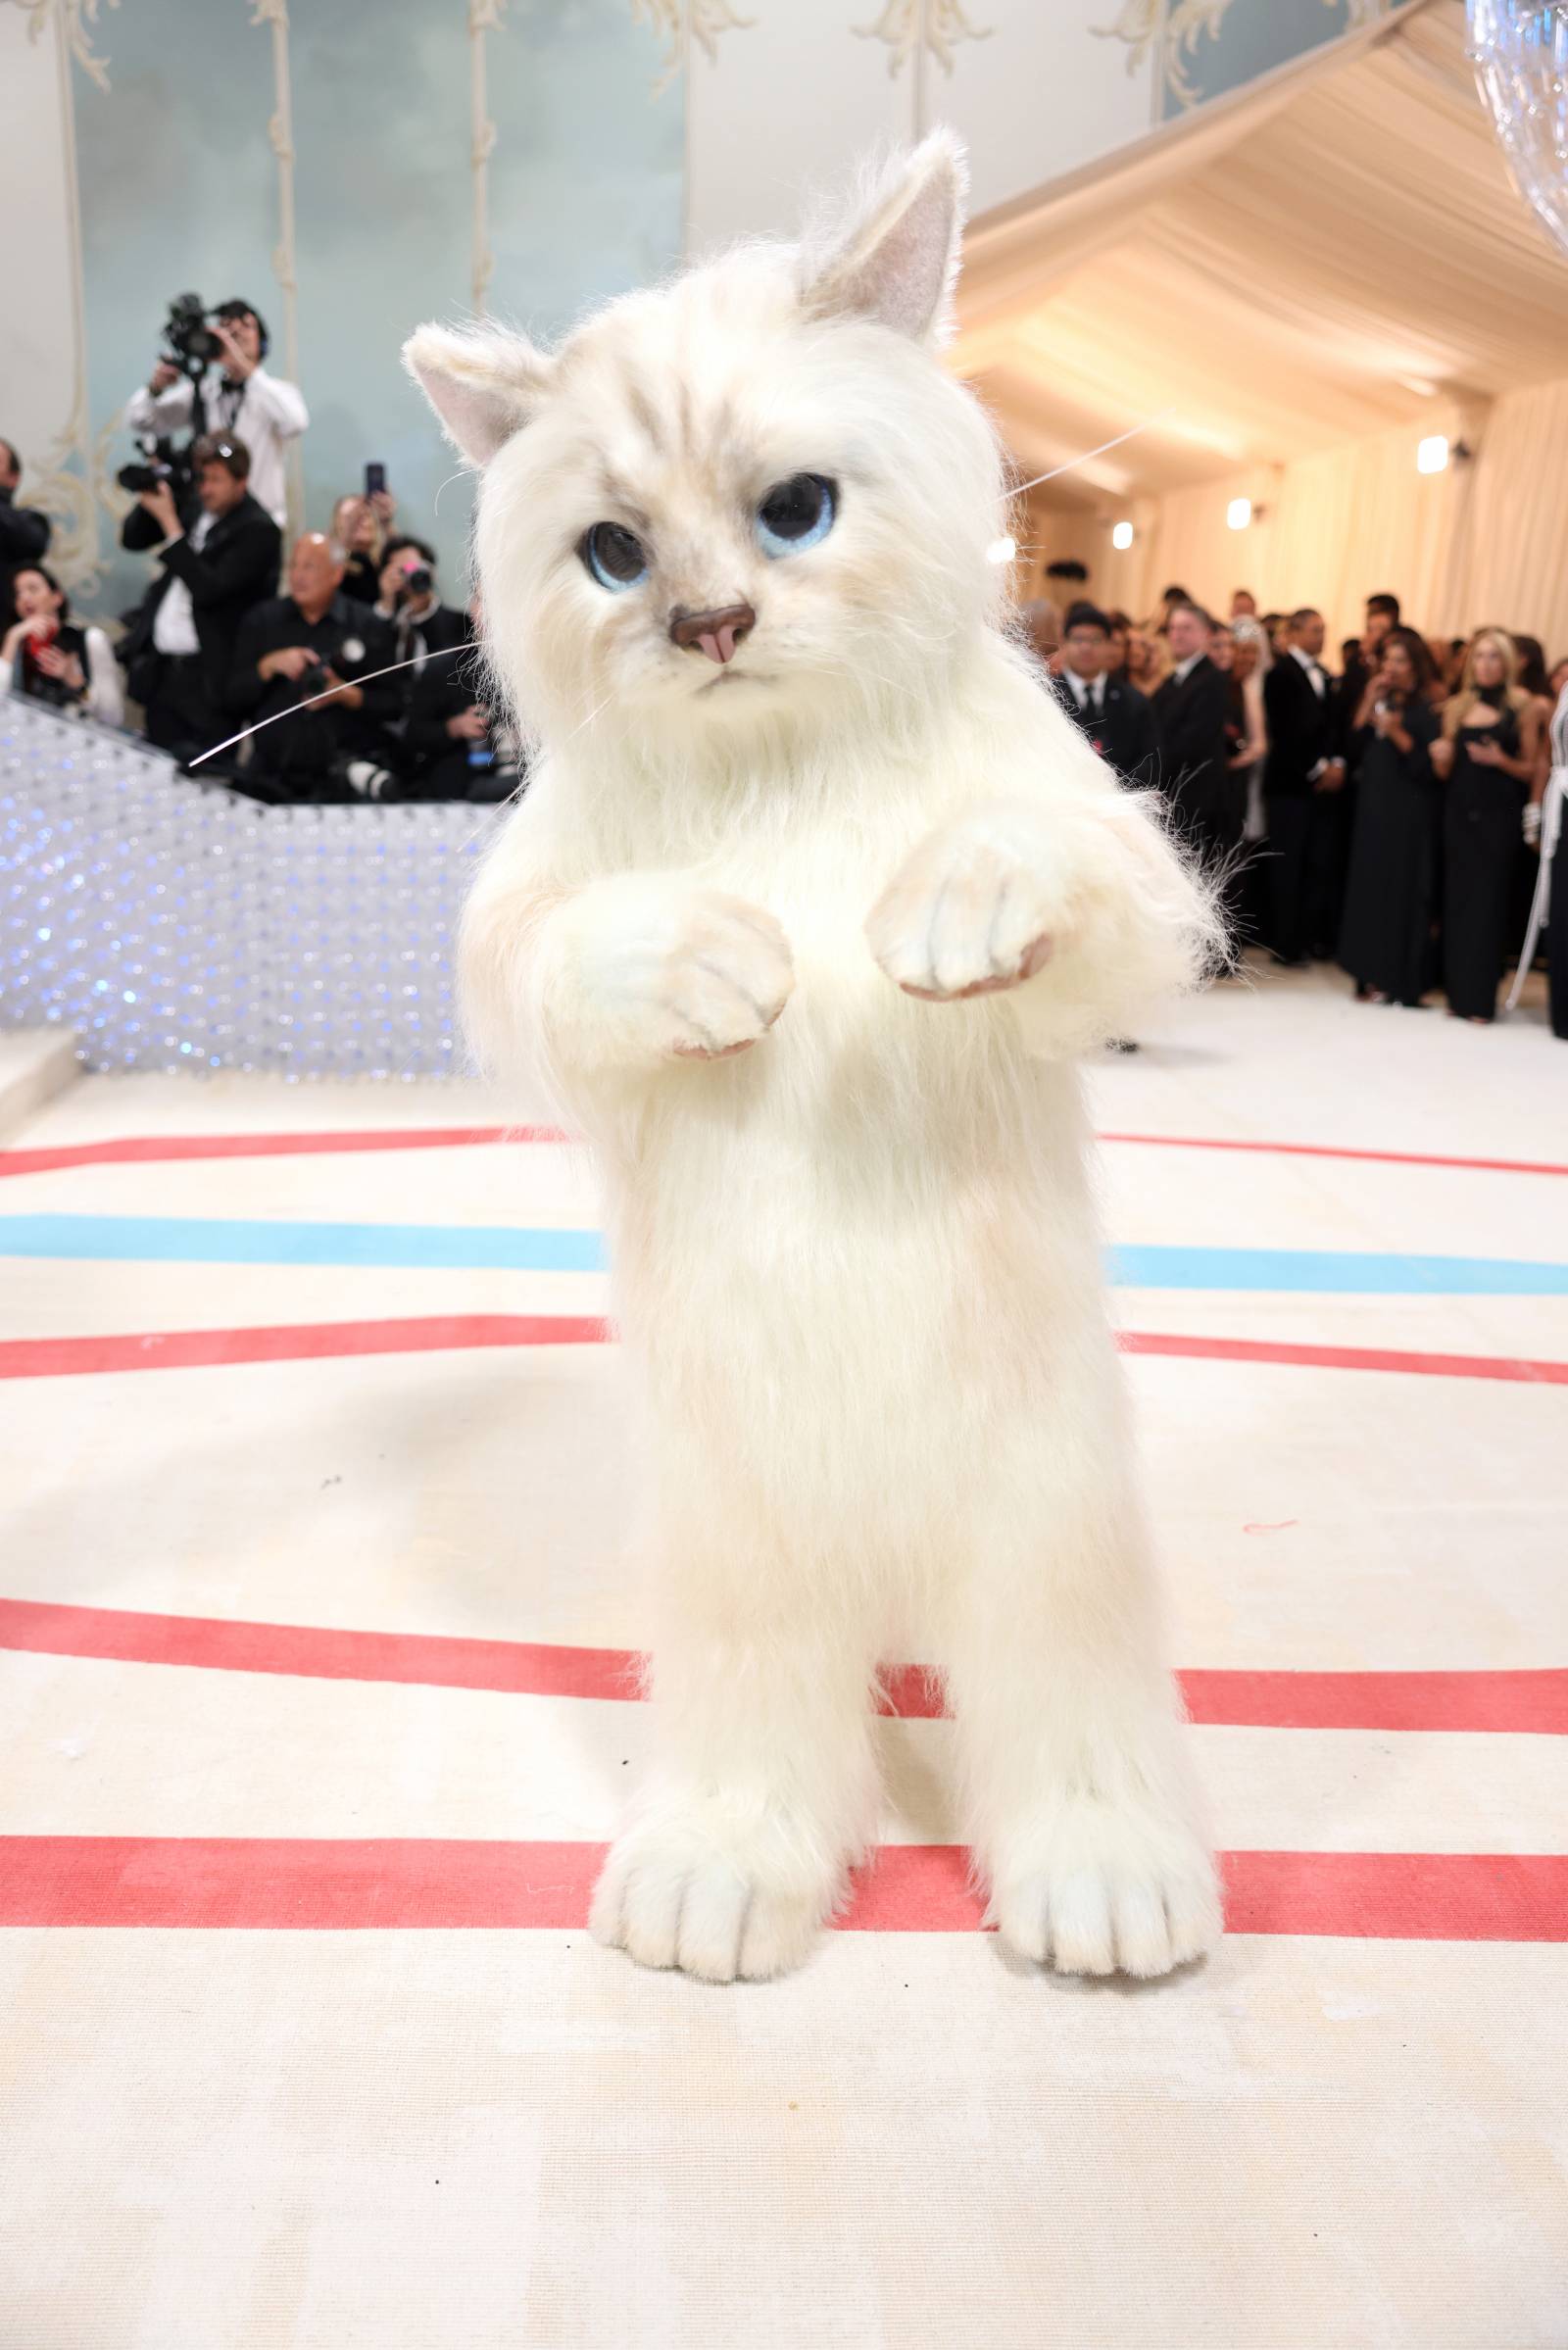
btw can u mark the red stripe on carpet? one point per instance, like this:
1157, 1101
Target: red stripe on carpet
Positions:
1534, 1701
335, 1883
1343, 1358
143, 1149
305, 1342
295, 1342
1389, 1159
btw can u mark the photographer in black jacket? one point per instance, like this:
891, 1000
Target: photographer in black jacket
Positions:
315, 640
24, 530
181, 642
460, 744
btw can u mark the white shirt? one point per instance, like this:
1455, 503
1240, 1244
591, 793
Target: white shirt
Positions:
174, 626
1087, 692
1320, 684
1184, 669
268, 415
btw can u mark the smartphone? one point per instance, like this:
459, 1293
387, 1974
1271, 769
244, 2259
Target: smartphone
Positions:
374, 480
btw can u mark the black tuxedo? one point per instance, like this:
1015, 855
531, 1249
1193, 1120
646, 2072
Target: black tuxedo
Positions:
1303, 727
1208, 802
234, 569
1305, 825
1123, 729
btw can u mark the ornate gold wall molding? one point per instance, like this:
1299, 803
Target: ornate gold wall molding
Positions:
74, 18
484, 15
71, 483
680, 22
1171, 30
280, 135
917, 30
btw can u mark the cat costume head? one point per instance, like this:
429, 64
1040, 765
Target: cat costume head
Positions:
751, 499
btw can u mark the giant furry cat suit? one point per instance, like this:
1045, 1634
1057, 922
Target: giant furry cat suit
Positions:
813, 899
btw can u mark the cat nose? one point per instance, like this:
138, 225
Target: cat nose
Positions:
715, 633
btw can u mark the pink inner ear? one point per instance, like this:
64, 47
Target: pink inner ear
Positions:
479, 418
902, 281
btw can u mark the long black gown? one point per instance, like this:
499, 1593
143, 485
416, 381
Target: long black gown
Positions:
1482, 846
1385, 940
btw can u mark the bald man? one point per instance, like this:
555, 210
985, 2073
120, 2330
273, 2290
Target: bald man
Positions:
315, 641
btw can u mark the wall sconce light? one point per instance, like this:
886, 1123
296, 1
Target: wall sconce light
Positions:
1121, 538
1239, 514
1432, 453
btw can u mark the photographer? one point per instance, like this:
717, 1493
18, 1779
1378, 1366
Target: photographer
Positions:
312, 641
463, 744
180, 644
410, 602
24, 530
235, 396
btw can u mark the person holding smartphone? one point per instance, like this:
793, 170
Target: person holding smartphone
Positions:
360, 523
1386, 940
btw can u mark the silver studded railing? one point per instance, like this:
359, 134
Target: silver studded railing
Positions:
175, 925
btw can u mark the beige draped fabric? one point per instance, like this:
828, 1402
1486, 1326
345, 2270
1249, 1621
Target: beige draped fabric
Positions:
1309, 279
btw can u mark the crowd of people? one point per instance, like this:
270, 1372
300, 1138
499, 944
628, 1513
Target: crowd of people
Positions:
234, 633
1387, 818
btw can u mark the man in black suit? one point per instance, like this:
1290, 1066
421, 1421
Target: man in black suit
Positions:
24, 530
181, 642
315, 646
1113, 716
1302, 776
1191, 709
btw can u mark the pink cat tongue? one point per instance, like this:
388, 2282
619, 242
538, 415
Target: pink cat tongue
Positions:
718, 643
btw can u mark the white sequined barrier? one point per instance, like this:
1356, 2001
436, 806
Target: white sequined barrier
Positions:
176, 925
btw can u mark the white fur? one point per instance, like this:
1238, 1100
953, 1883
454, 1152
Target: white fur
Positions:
854, 1246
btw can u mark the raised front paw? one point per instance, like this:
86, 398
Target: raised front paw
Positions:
672, 969
967, 914
1098, 1889
670, 1896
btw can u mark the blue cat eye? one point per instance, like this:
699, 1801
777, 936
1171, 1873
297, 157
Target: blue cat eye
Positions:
795, 513
614, 557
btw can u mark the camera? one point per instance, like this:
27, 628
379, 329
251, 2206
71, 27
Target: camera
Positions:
417, 582
160, 461
192, 344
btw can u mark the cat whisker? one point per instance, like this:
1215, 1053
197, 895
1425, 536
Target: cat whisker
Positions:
368, 679
1148, 425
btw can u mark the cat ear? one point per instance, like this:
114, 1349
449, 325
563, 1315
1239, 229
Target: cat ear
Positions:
483, 383
897, 257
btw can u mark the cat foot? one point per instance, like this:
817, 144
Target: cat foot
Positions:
670, 1897
1096, 1889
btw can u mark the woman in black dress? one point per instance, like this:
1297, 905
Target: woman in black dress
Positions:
1385, 942
1486, 757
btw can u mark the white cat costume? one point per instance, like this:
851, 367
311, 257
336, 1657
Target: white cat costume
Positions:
814, 898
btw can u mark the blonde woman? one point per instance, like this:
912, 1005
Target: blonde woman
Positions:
1148, 659
1487, 755
359, 528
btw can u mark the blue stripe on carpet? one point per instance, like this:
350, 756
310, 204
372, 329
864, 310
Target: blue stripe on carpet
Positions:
435, 1247
201, 1241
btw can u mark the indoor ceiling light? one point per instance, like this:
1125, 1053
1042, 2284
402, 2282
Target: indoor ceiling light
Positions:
1122, 536
1431, 454
1239, 513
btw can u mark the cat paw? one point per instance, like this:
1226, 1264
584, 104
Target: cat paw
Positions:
670, 1897
966, 916
672, 969
1106, 1890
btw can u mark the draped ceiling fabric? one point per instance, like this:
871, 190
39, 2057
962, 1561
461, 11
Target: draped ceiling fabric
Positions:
1308, 279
